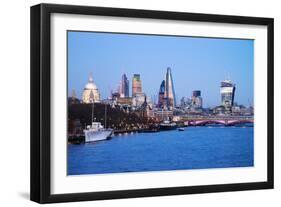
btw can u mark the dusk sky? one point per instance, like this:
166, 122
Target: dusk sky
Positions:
196, 63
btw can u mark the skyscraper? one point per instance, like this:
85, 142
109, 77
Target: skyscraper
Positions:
227, 91
169, 95
196, 99
161, 98
196, 93
136, 85
124, 86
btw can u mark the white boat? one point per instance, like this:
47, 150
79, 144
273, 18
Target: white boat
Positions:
96, 131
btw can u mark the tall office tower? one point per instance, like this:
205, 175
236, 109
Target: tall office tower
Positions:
136, 85
169, 90
227, 90
161, 98
124, 86
196, 93
196, 99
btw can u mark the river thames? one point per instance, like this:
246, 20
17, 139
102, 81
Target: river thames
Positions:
194, 148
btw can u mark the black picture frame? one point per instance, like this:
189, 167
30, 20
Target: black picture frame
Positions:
41, 95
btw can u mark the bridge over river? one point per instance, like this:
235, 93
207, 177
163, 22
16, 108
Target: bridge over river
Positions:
222, 120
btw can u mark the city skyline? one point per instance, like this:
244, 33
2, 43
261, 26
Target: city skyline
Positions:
192, 60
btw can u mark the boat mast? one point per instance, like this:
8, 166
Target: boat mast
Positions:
93, 105
105, 110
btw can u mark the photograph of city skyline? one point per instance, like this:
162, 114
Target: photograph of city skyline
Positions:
139, 102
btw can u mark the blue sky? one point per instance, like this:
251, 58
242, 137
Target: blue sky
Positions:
197, 63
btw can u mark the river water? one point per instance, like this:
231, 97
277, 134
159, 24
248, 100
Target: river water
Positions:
194, 148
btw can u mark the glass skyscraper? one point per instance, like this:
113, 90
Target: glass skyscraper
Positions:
227, 91
161, 95
124, 86
136, 85
169, 90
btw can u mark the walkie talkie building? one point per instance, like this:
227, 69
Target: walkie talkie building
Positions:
227, 91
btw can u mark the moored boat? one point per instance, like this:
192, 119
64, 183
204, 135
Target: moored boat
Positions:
96, 131
167, 125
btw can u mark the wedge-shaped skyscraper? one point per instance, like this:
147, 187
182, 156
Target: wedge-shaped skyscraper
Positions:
169, 90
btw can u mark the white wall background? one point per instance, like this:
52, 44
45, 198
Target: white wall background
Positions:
14, 102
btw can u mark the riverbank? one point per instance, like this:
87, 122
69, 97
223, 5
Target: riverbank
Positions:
80, 138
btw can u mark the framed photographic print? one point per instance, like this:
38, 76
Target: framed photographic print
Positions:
133, 103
